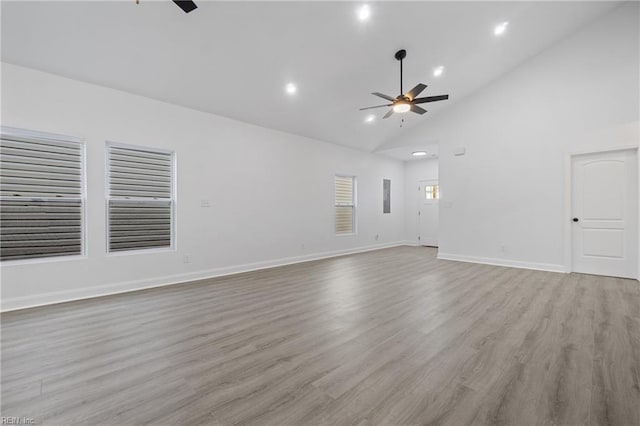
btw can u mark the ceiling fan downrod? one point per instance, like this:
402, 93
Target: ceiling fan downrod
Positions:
400, 55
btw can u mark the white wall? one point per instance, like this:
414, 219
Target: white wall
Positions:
270, 192
509, 189
415, 171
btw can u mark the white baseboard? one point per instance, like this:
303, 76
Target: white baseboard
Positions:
24, 302
551, 267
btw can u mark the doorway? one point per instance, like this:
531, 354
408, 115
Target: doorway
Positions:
604, 213
428, 214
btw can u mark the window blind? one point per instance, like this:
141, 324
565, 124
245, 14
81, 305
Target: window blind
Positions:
140, 203
41, 198
344, 204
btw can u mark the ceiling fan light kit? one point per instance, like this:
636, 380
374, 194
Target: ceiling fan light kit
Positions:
401, 106
408, 101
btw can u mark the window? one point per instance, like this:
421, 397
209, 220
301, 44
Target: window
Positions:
140, 200
431, 192
41, 195
345, 204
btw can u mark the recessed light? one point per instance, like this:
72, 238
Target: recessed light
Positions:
370, 118
500, 28
363, 13
419, 153
437, 72
290, 88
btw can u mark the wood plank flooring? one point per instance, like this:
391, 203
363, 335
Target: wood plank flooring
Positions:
391, 337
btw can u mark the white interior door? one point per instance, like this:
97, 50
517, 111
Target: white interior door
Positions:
428, 199
604, 213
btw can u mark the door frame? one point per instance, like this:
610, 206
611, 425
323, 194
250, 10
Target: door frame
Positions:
432, 181
568, 188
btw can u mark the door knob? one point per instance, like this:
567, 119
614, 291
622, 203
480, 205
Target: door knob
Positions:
575, 219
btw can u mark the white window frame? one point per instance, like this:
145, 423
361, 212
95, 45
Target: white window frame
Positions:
173, 246
354, 205
431, 185
34, 135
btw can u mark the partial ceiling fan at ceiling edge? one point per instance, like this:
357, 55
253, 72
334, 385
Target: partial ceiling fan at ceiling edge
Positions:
406, 101
186, 5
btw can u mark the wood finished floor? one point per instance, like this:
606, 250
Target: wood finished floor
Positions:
390, 337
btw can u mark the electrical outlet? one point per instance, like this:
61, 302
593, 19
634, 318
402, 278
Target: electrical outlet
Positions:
302, 246
376, 237
205, 203
503, 249
186, 258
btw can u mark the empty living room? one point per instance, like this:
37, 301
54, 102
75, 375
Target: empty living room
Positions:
291, 213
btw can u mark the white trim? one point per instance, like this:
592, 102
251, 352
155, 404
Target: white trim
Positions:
173, 203
16, 303
601, 150
429, 242
422, 184
353, 205
134, 252
18, 134
551, 267
568, 170
568, 256
143, 148
34, 135
48, 259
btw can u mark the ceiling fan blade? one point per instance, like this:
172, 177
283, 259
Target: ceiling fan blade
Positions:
383, 96
416, 90
378, 106
387, 115
187, 5
417, 109
430, 99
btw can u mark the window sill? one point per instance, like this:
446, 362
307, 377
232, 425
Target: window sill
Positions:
141, 251
17, 262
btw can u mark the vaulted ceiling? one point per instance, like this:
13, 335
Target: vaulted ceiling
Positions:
235, 58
